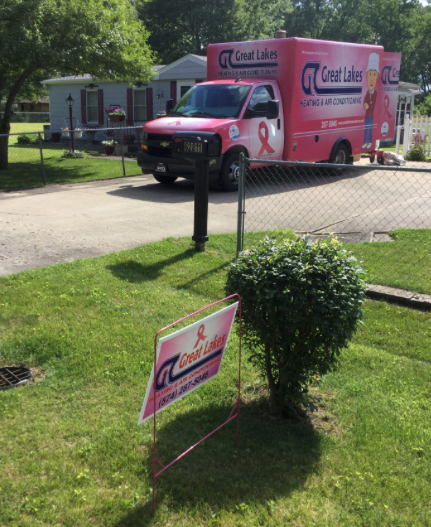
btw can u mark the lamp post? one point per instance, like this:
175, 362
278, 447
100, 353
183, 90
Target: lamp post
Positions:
70, 102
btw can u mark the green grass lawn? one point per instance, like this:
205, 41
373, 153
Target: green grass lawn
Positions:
404, 263
22, 128
25, 168
72, 454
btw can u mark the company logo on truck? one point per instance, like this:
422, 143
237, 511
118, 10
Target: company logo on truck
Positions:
311, 84
231, 59
390, 75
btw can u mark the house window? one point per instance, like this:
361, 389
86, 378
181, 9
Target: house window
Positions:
139, 105
92, 107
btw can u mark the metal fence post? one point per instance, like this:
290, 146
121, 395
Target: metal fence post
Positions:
41, 158
122, 150
240, 203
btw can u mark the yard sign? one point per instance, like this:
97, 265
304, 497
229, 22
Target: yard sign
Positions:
187, 359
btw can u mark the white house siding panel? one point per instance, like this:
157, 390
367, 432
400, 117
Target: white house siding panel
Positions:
159, 87
188, 69
113, 93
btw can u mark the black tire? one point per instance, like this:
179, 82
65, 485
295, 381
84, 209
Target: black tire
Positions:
229, 174
341, 156
165, 180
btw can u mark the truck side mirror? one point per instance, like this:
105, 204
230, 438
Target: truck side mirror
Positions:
169, 106
273, 109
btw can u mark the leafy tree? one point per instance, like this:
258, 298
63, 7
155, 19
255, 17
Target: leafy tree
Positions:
101, 37
301, 305
424, 107
179, 27
398, 25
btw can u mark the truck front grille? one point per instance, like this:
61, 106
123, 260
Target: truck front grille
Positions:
160, 137
160, 151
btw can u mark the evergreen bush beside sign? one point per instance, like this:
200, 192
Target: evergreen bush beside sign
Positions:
302, 304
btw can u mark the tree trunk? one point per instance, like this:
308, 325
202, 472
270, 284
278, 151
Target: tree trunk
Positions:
4, 140
276, 391
5, 121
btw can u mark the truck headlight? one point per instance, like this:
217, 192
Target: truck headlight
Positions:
145, 136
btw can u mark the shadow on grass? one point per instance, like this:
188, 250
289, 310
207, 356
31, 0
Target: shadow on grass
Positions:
136, 272
273, 459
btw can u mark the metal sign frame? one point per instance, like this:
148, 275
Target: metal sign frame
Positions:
235, 406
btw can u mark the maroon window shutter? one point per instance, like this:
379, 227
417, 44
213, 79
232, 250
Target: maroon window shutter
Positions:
84, 107
174, 91
149, 104
130, 116
100, 106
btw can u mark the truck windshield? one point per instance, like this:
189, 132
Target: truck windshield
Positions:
222, 100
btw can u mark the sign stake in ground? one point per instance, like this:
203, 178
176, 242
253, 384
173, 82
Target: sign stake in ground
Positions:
184, 361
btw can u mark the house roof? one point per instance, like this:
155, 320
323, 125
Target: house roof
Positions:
86, 77
162, 68
409, 87
198, 59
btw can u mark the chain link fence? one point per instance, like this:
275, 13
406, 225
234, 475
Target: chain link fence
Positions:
34, 159
382, 214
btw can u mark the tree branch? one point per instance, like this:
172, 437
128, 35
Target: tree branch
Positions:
14, 91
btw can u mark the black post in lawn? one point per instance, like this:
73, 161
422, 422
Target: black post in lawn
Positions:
202, 182
200, 148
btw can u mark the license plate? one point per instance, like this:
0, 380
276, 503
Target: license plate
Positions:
160, 168
195, 148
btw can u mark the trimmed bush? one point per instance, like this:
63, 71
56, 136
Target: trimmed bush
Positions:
301, 305
416, 153
25, 139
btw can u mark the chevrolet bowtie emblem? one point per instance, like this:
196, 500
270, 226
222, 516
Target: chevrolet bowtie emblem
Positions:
164, 144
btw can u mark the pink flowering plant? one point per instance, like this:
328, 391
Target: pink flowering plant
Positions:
114, 109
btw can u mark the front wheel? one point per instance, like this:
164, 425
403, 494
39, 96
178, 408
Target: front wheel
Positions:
165, 180
229, 174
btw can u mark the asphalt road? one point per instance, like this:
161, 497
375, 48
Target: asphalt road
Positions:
62, 223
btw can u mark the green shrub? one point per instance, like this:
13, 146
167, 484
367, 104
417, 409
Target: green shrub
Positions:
301, 304
26, 139
416, 153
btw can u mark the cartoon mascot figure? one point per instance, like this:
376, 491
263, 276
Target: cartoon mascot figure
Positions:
372, 71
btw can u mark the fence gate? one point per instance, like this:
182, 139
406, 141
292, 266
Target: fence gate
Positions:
382, 214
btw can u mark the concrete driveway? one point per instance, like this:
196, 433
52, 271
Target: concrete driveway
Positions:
62, 223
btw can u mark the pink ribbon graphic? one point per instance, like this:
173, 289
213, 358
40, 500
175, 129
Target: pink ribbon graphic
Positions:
264, 139
200, 334
387, 107
175, 122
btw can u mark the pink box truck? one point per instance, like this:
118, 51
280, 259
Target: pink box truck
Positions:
289, 99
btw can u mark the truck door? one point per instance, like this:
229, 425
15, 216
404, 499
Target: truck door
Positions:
266, 135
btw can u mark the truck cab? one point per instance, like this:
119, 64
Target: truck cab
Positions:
247, 115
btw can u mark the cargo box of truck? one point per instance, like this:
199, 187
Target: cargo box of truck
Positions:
289, 99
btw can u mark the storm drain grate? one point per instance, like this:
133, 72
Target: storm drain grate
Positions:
13, 376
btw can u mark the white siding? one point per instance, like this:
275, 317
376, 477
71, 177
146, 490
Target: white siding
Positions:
113, 93
188, 69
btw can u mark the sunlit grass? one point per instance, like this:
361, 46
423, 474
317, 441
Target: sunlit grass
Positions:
72, 454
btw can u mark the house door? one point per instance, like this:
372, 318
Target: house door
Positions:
183, 87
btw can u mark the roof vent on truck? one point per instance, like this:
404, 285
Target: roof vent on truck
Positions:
280, 33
